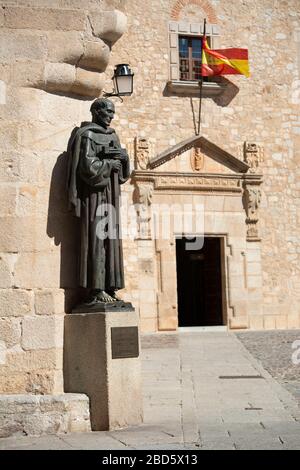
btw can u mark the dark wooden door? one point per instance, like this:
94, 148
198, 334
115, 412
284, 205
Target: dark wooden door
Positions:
199, 284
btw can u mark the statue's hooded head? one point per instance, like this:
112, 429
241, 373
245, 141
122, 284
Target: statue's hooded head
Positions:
103, 112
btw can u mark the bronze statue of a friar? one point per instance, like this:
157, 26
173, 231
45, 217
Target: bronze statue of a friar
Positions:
98, 165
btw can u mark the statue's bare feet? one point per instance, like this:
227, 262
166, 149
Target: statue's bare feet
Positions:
91, 301
113, 294
103, 296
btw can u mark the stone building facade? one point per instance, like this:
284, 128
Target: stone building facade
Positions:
242, 173
255, 120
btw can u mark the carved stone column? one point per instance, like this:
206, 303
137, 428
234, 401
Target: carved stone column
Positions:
144, 188
143, 208
252, 199
253, 156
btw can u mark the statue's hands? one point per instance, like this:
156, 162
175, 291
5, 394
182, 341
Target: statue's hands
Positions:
116, 165
123, 154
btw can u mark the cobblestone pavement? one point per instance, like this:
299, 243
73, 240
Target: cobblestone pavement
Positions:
201, 391
274, 350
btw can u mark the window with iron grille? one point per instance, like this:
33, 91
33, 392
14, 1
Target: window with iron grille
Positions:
190, 57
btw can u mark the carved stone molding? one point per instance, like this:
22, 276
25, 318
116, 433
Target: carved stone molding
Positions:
204, 182
207, 147
252, 199
253, 156
214, 183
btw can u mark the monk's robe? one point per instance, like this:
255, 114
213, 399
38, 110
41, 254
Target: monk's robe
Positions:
94, 194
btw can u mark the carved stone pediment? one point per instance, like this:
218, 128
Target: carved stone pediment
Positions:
231, 175
193, 176
201, 147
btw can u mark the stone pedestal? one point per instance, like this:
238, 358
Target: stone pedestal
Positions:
102, 360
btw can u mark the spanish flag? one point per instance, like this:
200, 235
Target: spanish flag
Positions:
224, 61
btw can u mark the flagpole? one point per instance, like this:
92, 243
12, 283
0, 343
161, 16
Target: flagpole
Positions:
201, 80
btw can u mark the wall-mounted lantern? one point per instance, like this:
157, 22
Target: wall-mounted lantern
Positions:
122, 80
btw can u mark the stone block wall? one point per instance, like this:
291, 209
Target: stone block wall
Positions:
44, 414
52, 58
